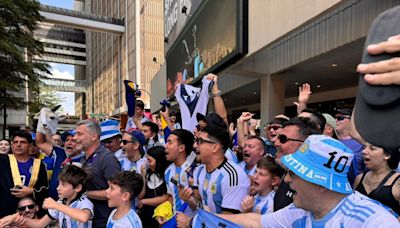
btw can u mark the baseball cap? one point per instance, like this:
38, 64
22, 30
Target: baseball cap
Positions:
109, 129
65, 134
212, 119
137, 136
324, 161
331, 121
377, 107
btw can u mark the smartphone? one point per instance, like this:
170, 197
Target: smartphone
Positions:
17, 187
175, 182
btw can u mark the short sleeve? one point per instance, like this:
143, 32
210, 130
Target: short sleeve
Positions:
53, 214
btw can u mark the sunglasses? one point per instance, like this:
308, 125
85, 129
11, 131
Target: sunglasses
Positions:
284, 139
126, 141
201, 141
30, 207
107, 142
340, 118
274, 127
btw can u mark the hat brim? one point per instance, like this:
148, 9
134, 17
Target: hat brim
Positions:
315, 175
377, 108
109, 136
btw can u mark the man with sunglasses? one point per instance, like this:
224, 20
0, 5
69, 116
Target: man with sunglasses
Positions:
323, 196
343, 129
132, 144
27, 208
111, 138
289, 139
219, 183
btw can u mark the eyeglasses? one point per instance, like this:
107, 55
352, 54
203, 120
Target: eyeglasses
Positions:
284, 139
126, 141
201, 141
23, 208
340, 118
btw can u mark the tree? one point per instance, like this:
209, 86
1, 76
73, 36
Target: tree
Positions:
43, 97
18, 20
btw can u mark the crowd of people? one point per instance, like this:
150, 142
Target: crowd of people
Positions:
190, 168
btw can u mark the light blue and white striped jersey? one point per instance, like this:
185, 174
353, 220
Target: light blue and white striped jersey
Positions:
66, 222
230, 155
222, 189
183, 178
355, 210
128, 165
130, 220
250, 172
264, 204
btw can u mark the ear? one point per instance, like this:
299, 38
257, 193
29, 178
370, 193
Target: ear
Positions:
276, 181
78, 188
54, 109
136, 145
182, 148
387, 156
62, 117
126, 196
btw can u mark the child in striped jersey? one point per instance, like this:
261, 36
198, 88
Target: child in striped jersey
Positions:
266, 177
123, 189
73, 209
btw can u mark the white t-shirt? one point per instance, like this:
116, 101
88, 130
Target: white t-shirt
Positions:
130, 125
65, 221
130, 220
250, 172
222, 189
355, 210
264, 204
128, 165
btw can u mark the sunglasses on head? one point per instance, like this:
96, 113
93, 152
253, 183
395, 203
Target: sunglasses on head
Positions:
23, 208
201, 141
284, 139
126, 141
340, 118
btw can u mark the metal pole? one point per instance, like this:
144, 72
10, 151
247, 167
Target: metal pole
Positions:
4, 115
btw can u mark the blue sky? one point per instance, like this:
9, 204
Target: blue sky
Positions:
63, 71
59, 3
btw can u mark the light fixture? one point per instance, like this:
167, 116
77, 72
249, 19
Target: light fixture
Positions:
255, 93
296, 83
334, 65
318, 86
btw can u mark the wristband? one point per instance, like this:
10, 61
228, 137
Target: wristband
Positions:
218, 94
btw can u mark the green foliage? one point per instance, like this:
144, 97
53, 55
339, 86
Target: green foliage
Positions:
18, 20
43, 97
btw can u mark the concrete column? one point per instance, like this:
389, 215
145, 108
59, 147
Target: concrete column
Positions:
272, 100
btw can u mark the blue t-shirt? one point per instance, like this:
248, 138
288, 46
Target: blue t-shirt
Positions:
57, 156
25, 171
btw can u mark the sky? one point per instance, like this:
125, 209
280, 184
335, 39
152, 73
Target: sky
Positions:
63, 71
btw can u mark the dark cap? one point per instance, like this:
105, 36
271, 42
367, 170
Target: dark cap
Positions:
344, 111
377, 107
212, 119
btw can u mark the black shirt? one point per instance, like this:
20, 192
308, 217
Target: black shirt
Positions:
283, 195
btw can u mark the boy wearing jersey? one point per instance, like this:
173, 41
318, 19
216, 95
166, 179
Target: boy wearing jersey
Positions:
178, 150
124, 188
323, 196
266, 177
73, 209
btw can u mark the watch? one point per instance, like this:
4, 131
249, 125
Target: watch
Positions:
218, 94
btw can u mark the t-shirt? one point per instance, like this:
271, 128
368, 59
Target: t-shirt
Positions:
283, 195
25, 170
183, 178
53, 163
130, 125
65, 221
224, 188
264, 204
130, 220
250, 172
355, 210
231, 156
135, 166
101, 166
